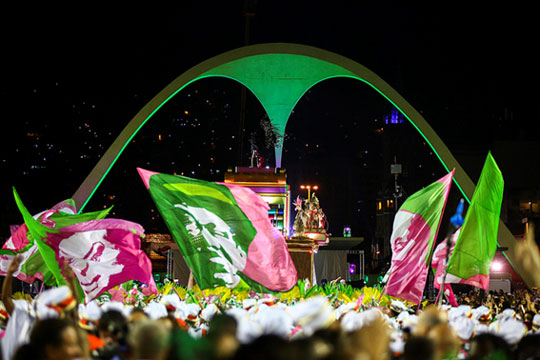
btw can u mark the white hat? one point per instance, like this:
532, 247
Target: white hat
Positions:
313, 314
397, 345
398, 306
344, 308
481, 313
188, 312
114, 306
464, 310
509, 329
507, 314
352, 321
155, 310
356, 320
274, 321
209, 311
453, 313
59, 299
481, 329
393, 323
410, 322
464, 327
89, 314
248, 303
446, 307
536, 322
195, 332
172, 302
269, 301
44, 312
404, 315
128, 309
247, 331
236, 313
91, 311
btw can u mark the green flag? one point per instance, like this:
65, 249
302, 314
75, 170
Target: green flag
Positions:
477, 241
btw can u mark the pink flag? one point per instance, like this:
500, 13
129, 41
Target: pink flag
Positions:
413, 234
439, 265
268, 248
103, 253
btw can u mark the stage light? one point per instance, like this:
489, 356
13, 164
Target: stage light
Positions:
496, 266
309, 187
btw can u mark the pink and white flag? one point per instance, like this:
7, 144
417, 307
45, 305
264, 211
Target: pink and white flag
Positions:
414, 231
103, 254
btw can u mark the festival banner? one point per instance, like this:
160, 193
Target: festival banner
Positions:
18, 239
477, 241
223, 232
33, 265
414, 231
102, 253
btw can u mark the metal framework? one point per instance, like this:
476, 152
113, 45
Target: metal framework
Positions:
279, 74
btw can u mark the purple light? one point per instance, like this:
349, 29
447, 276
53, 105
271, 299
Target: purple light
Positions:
395, 117
352, 268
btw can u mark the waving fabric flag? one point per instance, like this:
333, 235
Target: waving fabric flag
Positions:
32, 267
438, 264
102, 253
414, 231
477, 241
223, 232
18, 239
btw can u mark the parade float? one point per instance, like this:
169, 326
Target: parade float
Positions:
309, 234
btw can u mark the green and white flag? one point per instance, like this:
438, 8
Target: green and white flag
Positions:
223, 232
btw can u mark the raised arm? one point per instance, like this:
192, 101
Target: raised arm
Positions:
70, 278
7, 285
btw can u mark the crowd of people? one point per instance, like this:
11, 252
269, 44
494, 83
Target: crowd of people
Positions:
53, 325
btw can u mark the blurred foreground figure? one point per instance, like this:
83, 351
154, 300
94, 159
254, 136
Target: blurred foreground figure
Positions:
51, 339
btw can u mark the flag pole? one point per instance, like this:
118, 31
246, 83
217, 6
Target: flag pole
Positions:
455, 222
382, 293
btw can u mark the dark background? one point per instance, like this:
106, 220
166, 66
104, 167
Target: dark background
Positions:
72, 78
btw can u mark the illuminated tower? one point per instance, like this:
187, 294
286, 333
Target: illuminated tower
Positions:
271, 184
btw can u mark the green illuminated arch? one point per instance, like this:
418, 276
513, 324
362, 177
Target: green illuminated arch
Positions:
278, 74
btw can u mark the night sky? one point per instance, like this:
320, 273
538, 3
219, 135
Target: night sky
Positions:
72, 78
